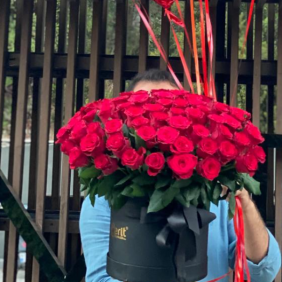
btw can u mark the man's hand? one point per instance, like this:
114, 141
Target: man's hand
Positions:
256, 235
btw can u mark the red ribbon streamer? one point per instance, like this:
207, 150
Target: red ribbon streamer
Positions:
203, 44
241, 263
180, 52
158, 45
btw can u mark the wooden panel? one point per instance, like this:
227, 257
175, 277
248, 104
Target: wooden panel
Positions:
187, 51
44, 122
165, 31
143, 49
120, 44
4, 27
96, 45
279, 73
234, 50
20, 130
257, 64
69, 107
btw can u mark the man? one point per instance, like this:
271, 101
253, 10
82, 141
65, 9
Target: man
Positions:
262, 250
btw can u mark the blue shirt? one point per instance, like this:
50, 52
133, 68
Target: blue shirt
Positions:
95, 226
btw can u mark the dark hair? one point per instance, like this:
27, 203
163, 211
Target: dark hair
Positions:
153, 75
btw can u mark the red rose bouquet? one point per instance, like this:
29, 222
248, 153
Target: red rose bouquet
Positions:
166, 145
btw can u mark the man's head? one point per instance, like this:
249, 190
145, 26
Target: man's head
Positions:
152, 79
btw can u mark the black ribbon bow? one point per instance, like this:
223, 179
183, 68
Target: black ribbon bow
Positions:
183, 224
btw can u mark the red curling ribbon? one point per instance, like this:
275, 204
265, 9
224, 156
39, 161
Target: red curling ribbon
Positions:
241, 263
174, 18
221, 277
181, 55
158, 45
203, 44
166, 4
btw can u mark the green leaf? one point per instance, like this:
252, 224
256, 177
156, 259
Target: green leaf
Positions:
192, 192
88, 172
204, 197
125, 130
216, 193
117, 201
133, 191
162, 181
182, 183
124, 180
181, 199
160, 199
83, 187
97, 118
107, 183
139, 142
251, 184
228, 181
232, 204
144, 179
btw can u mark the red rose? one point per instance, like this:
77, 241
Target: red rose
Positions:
106, 109
196, 115
164, 102
177, 111
221, 107
105, 163
179, 122
120, 99
216, 118
146, 132
138, 98
242, 139
200, 131
161, 93
160, 116
231, 121
95, 127
228, 151
62, 135
123, 106
221, 133
177, 92
113, 126
139, 121
132, 158
247, 164
78, 131
181, 103
240, 114
74, 120
134, 111
207, 146
77, 158
153, 107
155, 163
167, 135
209, 168
194, 99
116, 143
182, 145
182, 165
259, 154
254, 133
90, 116
66, 146
92, 144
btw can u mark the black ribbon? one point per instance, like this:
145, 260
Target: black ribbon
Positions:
182, 225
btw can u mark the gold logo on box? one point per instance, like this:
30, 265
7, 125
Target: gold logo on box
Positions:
119, 233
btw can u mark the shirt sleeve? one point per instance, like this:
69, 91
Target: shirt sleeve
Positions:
267, 269
94, 230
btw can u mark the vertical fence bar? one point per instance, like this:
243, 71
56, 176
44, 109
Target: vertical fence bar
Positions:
257, 64
20, 130
4, 29
143, 49
234, 51
165, 31
44, 123
120, 44
96, 45
187, 51
58, 112
69, 107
